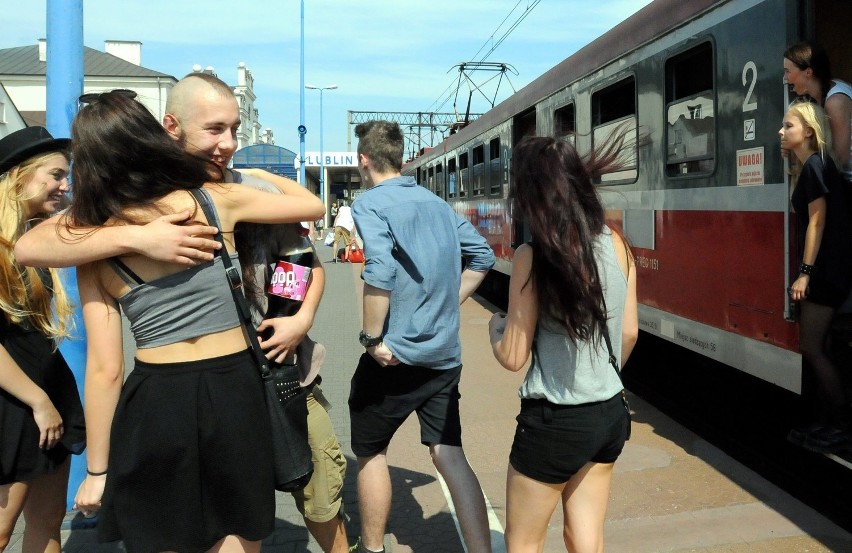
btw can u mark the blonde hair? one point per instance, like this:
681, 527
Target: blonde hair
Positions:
24, 296
813, 117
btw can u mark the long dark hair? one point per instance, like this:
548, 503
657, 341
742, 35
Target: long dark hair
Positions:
123, 158
553, 191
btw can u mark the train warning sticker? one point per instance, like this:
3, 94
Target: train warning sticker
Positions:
750, 167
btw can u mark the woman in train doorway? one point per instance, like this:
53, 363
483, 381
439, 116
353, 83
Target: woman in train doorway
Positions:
808, 70
168, 469
825, 268
41, 418
572, 300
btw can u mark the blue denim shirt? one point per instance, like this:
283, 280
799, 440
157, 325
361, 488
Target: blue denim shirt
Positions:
414, 244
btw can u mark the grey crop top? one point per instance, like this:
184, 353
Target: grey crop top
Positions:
568, 373
180, 306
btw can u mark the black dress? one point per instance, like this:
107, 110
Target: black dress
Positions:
21, 459
831, 279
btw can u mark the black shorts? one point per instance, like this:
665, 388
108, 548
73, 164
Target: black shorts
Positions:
552, 442
381, 398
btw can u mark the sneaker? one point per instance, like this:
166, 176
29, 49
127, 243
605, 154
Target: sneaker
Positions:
799, 433
358, 548
828, 440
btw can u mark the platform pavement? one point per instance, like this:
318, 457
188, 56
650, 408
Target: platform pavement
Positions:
672, 491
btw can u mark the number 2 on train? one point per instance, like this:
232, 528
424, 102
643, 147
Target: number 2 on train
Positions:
749, 67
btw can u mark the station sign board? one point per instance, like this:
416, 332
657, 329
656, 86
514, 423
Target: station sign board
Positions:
329, 159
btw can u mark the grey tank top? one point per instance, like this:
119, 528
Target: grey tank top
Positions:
180, 306
568, 373
842, 87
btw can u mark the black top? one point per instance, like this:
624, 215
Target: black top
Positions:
832, 275
20, 457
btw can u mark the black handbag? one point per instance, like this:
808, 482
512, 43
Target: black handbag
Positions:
286, 400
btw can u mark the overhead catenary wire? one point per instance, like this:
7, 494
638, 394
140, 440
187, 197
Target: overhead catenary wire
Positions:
452, 90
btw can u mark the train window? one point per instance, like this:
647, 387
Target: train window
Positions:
464, 175
496, 175
613, 113
524, 125
690, 112
478, 177
565, 123
439, 180
430, 179
451, 178
419, 178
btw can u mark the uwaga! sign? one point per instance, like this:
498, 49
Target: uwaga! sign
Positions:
750, 167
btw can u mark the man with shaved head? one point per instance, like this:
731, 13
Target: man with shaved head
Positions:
202, 115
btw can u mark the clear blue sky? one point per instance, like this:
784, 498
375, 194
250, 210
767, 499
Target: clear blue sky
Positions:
384, 55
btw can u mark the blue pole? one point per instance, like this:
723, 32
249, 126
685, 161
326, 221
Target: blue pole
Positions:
64, 76
64, 83
322, 160
302, 129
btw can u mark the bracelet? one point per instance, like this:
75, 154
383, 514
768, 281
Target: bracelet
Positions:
90, 473
806, 269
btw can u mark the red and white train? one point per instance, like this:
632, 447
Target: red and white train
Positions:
705, 199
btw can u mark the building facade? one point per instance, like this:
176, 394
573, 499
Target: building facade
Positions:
23, 89
23, 70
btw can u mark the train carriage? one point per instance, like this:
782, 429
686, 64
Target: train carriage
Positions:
704, 197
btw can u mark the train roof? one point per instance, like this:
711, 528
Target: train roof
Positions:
653, 20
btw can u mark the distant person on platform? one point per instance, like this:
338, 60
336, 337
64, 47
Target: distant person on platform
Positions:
413, 285
343, 227
203, 117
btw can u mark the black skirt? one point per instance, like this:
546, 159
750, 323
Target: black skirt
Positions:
21, 459
190, 457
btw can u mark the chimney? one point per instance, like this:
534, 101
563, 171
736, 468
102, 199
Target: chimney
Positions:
128, 50
42, 49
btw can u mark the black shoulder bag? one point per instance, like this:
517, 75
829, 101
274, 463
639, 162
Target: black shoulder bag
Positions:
286, 400
614, 362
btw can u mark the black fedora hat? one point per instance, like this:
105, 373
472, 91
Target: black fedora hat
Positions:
23, 144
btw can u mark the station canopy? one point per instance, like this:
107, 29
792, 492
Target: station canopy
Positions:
274, 159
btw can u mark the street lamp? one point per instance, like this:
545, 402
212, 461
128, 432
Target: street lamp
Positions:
322, 155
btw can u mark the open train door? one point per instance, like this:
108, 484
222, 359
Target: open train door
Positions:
829, 22
523, 124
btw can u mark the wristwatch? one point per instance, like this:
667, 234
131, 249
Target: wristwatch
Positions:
369, 341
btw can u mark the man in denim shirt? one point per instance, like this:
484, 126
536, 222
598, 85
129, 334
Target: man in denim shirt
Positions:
413, 285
